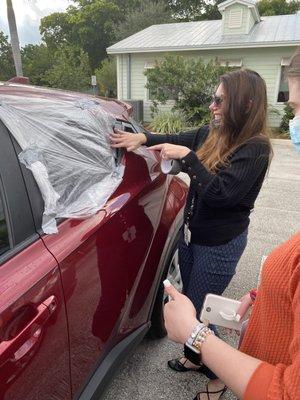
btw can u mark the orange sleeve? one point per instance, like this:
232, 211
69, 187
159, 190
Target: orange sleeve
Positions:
280, 382
259, 383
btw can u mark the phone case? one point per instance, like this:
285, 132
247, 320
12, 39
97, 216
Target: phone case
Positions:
221, 311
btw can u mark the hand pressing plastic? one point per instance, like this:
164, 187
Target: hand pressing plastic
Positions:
130, 141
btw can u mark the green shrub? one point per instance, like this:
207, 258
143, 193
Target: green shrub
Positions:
288, 114
189, 82
107, 77
168, 122
70, 69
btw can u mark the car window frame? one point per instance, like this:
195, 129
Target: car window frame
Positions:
129, 125
5, 211
17, 210
34, 194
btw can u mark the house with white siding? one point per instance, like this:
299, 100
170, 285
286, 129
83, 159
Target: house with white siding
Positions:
242, 38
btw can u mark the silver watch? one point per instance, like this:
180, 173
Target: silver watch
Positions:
191, 338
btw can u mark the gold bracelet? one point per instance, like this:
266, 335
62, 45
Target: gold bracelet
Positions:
201, 337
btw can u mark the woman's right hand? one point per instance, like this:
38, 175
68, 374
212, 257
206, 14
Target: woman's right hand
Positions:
130, 141
246, 303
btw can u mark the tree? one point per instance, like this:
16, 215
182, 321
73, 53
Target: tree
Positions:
107, 77
55, 29
146, 14
89, 25
277, 7
188, 81
6, 59
187, 10
211, 11
70, 69
37, 59
14, 38
94, 28
195, 10
124, 6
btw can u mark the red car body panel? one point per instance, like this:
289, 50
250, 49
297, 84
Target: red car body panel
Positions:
34, 345
100, 260
91, 284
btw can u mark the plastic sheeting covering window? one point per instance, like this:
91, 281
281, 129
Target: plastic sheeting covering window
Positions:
66, 146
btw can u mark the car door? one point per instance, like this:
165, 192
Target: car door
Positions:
141, 214
101, 258
34, 350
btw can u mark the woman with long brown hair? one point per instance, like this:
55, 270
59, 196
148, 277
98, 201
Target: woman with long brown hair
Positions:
227, 162
267, 367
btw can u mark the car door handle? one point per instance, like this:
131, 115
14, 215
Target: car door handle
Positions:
17, 347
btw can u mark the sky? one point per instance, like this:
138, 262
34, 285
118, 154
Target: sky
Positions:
28, 15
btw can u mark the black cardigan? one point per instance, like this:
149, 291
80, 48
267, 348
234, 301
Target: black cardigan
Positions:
222, 201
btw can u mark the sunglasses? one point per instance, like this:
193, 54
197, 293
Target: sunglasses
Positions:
217, 100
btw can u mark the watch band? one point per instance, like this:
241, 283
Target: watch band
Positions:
192, 347
191, 352
194, 333
201, 337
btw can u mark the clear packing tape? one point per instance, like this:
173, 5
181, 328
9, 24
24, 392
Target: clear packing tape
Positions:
66, 146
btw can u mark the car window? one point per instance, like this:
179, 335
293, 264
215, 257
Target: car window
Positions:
65, 144
136, 127
4, 239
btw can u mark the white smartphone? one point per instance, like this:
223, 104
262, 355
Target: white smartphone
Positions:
221, 311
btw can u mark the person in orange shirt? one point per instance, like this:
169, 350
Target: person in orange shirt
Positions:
267, 365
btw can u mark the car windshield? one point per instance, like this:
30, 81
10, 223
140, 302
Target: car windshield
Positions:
65, 145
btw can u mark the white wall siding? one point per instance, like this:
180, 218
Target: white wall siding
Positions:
124, 63
251, 21
139, 80
119, 76
266, 61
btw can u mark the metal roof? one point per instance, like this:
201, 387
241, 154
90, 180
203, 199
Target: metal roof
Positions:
279, 30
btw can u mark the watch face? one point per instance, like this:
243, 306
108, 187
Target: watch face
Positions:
192, 354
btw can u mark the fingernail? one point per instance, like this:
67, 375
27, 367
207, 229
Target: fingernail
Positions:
237, 317
166, 283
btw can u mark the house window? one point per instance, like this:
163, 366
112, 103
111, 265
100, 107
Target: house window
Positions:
238, 63
170, 96
149, 65
283, 89
235, 18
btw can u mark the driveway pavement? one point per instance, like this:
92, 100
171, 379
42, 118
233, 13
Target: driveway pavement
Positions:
276, 217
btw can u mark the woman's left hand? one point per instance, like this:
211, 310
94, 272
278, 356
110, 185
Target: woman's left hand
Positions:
171, 151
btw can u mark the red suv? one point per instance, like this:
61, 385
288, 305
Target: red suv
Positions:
73, 303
